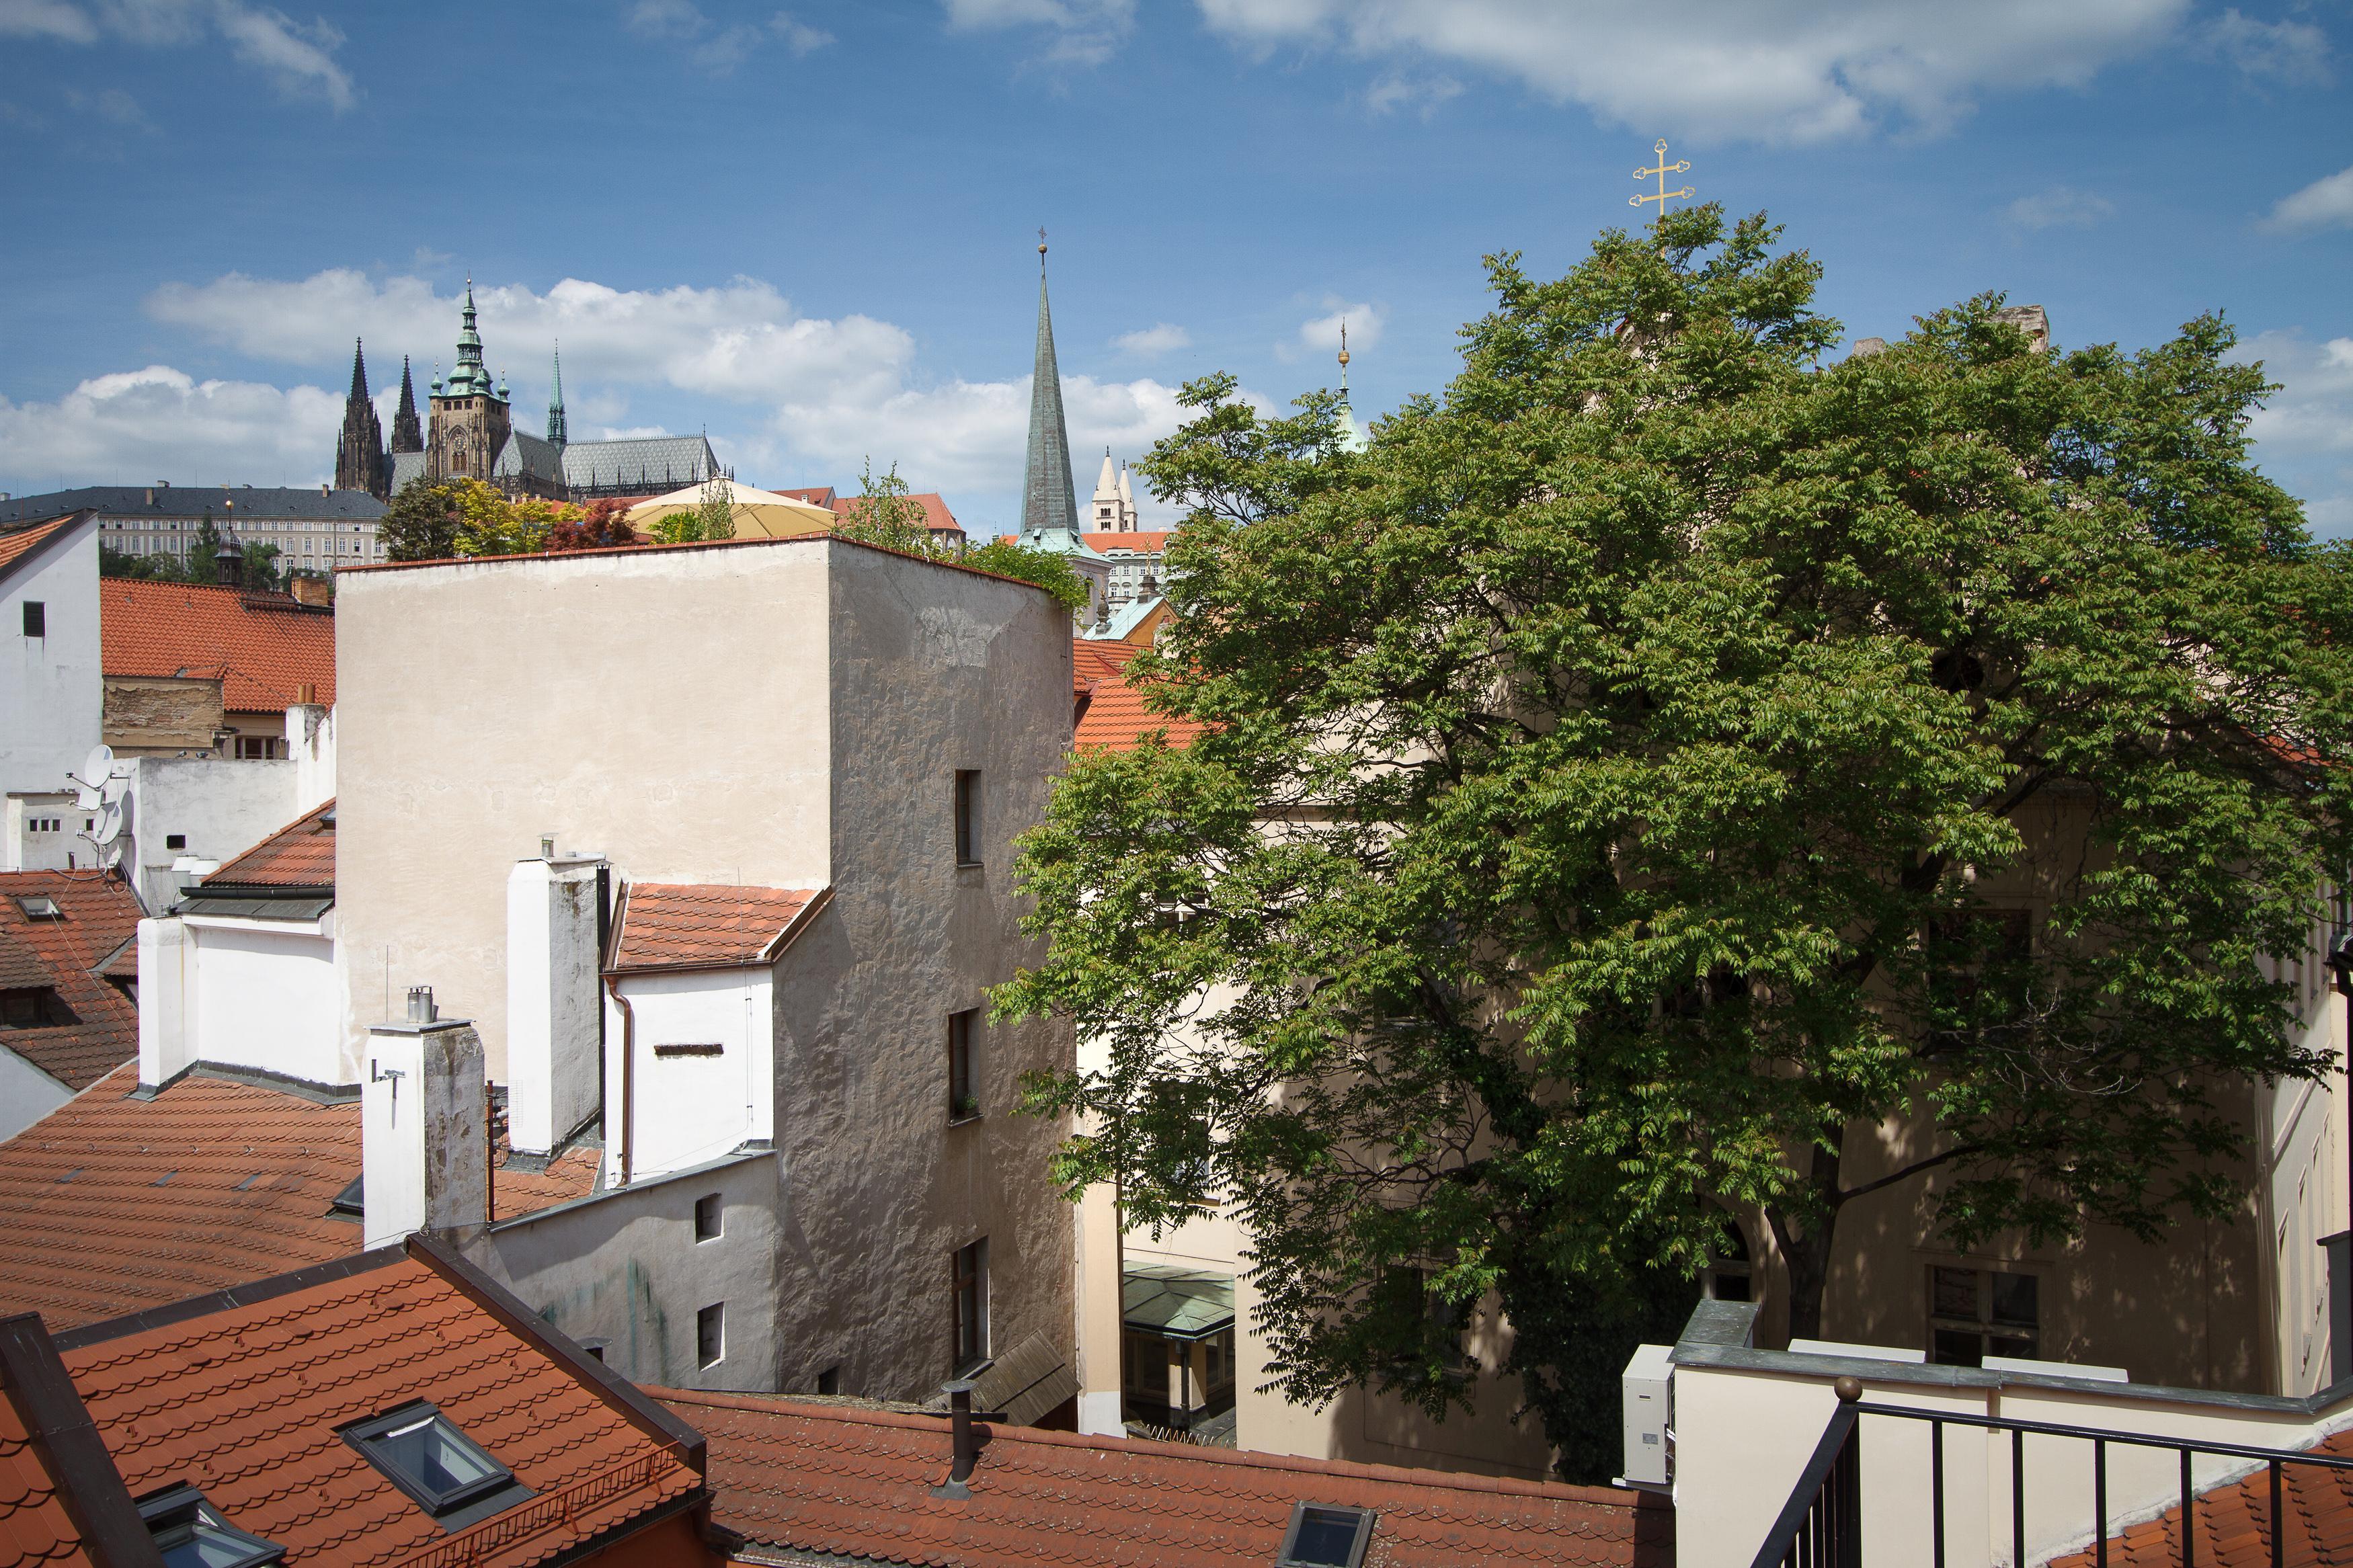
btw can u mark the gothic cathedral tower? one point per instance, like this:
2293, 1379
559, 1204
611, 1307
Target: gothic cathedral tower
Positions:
469, 420
359, 451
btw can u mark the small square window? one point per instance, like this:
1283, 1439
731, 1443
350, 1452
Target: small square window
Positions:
1322, 1537
191, 1533
710, 1334
37, 618
968, 817
829, 1381
707, 1218
420, 1451
175, 841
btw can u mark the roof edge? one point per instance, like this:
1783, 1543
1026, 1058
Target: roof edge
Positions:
245, 1295
648, 1415
89, 1486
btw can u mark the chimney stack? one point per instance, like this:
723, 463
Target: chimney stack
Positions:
556, 1009
965, 1438
424, 1139
309, 588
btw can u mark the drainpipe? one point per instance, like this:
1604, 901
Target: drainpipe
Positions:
965, 1439
629, 1075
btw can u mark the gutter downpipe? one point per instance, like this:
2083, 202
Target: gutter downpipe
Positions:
629, 1075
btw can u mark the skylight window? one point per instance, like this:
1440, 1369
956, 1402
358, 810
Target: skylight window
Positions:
1322, 1537
191, 1533
443, 1471
41, 906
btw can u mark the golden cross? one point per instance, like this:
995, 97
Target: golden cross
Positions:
1662, 171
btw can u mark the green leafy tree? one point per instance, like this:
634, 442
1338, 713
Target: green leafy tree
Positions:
422, 523
677, 528
156, 568
885, 512
1042, 567
204, 555
717, 509
260, 565
1619, 786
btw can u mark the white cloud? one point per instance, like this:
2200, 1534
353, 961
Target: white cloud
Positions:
1364, 323
298, 57
2324, 204
2305, 438
2061, 207
2295, 53
718, 50
1083, 32
1151, 341
1779, 70
159, 423
1425, 94
813, 397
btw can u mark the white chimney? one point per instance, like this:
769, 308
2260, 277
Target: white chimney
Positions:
167, 995
555, 1011
311, 742
424, 1126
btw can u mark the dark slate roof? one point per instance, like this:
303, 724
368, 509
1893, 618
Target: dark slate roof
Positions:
660, 462
527, 454
227, 505
406, 465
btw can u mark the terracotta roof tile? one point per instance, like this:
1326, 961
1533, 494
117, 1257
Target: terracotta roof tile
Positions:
261, 646
67, 955
2233, 1523
15, 546
856, 1483
680, 925
1149, 541
300, 855
1112, 715
34, 1525
244, 1401
936, 515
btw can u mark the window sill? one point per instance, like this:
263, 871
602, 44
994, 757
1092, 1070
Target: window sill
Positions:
970, 865
963, 1121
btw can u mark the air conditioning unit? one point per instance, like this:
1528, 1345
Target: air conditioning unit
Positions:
1647, 1388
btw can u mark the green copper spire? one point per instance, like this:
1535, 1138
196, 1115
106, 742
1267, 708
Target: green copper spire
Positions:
557, 434
1049, 498
471, 378
1352, 439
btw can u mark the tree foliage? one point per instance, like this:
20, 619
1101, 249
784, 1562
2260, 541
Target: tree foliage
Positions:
1615, 781
885, 512
464, 517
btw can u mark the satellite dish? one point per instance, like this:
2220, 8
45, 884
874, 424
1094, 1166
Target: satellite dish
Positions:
112, 818
91, 783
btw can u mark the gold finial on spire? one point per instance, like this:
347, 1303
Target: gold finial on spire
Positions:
1664, 196
1041, 248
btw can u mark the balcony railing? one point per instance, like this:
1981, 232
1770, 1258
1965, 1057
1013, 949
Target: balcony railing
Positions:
1820, 1526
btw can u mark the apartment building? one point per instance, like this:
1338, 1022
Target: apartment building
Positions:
314, 529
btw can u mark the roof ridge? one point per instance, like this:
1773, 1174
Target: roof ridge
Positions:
246, 1295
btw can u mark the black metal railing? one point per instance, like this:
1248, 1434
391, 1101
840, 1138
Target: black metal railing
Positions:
1820, 1526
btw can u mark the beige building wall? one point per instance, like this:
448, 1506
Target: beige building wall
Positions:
785, 713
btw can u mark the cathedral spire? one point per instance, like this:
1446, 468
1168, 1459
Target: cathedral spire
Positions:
359, 449
1352, 439
557, 433
1048, 494
471, 378
407, 435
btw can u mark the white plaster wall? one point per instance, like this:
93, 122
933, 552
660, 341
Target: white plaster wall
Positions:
311, 745
623, 1270
554, 998
690, 1110
265, 996
27, 1093
51, 687
62, 849
221, 807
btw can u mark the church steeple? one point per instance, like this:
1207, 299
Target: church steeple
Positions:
557, 434
407, 435
359, 449
471, 378
1048, 494
1352, 439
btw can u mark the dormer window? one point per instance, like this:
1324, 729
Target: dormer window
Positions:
444, 1472
191, 1533
41, 906
1322, 1537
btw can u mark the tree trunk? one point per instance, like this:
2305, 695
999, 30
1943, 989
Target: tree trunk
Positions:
1805, 1239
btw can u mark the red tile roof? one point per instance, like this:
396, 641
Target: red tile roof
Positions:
2233, 1523
34, 1525
1112, 716
110, 1204
687, 925
300, 855
855, 1482
15, 547
67, 955
936, 515
261, 646
1148, 542
243, 1400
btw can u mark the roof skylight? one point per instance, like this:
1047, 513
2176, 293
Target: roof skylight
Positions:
1324, 1537
443, 1471
191, 1533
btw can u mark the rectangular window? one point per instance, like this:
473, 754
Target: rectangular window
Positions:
969, 1304
710, 1334
190, 1532
37, 618
829, 1381
707, 1218
968, 817
964, 1096
1976, 1312
421, 1452
1326, 1536
175, 841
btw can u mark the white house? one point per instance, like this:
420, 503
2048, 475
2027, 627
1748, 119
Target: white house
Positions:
50, 683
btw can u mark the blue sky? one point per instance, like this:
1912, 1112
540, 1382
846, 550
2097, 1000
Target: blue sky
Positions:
812, 232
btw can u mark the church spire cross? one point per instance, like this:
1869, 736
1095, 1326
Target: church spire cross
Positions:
1664, 195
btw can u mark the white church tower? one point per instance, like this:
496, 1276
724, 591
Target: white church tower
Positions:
1115, 501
